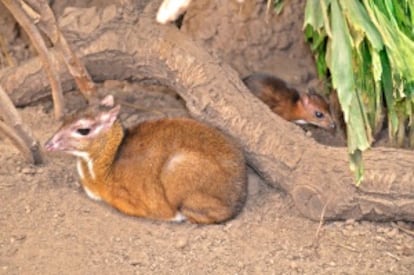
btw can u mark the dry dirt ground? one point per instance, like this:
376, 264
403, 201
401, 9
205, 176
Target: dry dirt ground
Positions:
49, 226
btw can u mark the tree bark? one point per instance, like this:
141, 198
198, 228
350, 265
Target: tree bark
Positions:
120, 43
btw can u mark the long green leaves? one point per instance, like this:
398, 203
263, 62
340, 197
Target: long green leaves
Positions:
365, 49
399, 44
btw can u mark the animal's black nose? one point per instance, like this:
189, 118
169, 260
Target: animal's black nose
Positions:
48, 146
51, 145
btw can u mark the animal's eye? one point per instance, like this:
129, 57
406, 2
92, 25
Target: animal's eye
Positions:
83, 131
319, 114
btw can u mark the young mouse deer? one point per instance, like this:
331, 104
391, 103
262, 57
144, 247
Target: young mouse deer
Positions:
289, 103
170, 169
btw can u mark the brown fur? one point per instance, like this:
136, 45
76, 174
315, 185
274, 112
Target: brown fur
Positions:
289, 103
161, 167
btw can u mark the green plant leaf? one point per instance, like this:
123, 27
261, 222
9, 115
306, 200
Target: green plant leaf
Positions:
313, 11
326, 22
366, 48
399, 46
344, 82
341, 65
359, 19
357, 166
278, 6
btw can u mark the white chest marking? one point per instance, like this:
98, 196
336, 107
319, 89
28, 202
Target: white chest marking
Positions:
79, 169
91, 194
84, 156
90, 168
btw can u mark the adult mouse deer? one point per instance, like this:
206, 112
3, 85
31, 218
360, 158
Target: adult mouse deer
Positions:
169, 169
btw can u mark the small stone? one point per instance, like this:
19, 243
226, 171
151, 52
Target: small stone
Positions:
399, 247
402, 224
20, 237
181, 243
349, 227
228, 226
75, 184
28, 171
27, 209
58, 215
407, 251
293, 265
15, 238
380, 230
381, 239
350, 221
86, 210
308, 133
392, 233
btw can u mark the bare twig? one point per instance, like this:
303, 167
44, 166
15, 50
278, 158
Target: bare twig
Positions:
46, 21
77, 69
393, 256
268, 6
5, 52
321, 222
38, 42
42, 16
403, 229
8, 111
30, 15
16, 140
14, 129
348, 247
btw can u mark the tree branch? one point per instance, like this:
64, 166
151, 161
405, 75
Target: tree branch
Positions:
16, 131
40, 46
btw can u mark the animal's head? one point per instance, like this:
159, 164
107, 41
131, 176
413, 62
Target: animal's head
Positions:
316, 111
82, 130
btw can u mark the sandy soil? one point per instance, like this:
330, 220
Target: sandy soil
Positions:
49, 226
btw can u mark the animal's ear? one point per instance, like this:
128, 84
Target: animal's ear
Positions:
108, 118
305, 99
108, 101
312, 91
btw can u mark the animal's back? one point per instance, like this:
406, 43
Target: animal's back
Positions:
192, 162
271, 89
289, 103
